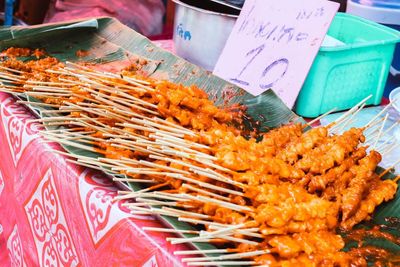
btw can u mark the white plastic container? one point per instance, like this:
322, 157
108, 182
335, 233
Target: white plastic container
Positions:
381, 11
394, 98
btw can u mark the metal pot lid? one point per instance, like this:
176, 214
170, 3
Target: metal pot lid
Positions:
395, 4
209, 7
237, 4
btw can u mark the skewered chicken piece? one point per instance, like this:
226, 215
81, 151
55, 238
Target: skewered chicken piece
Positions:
319, 183
189, 106
332, 152
299, 146
379, 192
363, 174
290, 208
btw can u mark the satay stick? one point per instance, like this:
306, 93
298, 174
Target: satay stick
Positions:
85, 164
221, 203
160, 166
150, 202
12, 77
204, 251
55, 111
47, 94
195, 221
229, 256
12, 70
386, 132
390, 149
73, 144
389, 169
186, 164
205, 192
310, 123
158, 195
187, 213
184, 131
175, 146
49, 119
123, 101
31, 83
223, 263
131, 180
168, 230
175, 241
349, 112
379, 114
41, 88
380, 132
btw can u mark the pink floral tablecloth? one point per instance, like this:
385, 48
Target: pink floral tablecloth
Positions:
54, 213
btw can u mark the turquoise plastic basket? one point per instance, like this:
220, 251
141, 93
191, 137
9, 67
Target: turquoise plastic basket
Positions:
341, 76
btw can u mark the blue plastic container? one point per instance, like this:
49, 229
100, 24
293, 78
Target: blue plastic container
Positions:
343, 75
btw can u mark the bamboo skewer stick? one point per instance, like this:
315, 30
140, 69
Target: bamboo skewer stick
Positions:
12, 70
85, 164
150, 202
389, 169
229, 256
186, 213
222, 231
38, 104
205, 192
195, 221
175, 241
186, 164
12, 77
73, 144
121, 101
151, 164
167, 128
379, 114
47, 94
350, 119
346, 114
183, 148
159, 195
320, 117
221, 203
380, 131
31, 83
166, 230
50, 111
387, 131
390, 149
130, 180
222, 263
204, 251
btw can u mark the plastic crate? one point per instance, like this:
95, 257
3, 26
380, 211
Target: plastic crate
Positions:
341, 76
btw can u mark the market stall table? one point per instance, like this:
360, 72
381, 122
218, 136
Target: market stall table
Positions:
54, 213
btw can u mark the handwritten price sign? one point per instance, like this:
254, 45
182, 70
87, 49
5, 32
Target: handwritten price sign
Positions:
273, 45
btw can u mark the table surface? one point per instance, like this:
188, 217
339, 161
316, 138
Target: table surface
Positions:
53, 212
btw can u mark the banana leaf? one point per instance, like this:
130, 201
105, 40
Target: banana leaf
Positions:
109, 41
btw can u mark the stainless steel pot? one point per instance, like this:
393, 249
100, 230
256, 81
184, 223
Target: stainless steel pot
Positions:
199, 33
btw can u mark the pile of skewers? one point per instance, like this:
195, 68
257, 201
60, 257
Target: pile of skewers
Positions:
276, 198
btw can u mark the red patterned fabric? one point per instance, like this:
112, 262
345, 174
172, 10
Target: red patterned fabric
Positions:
53, 213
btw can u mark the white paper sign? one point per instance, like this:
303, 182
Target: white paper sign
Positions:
273, 45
